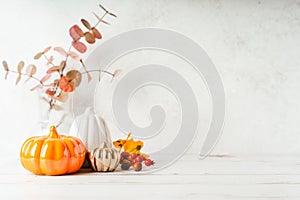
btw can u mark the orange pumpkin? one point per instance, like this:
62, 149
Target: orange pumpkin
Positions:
53, 154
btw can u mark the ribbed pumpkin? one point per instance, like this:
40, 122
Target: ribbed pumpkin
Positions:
53, 154
104, 159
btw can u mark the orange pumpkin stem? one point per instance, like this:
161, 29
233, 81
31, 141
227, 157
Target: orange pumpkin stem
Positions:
53, 132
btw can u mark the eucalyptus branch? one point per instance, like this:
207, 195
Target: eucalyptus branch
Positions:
24, 74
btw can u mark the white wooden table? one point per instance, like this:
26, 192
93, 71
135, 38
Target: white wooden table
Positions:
216, 177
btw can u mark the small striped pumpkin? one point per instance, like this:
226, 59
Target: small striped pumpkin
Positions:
104, 159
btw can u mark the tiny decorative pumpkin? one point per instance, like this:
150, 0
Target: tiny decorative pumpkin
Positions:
53, 154
104, 159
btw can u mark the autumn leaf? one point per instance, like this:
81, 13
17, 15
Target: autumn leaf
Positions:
53, 69
50, 92
74, 55
129, 145
38, 55
5, 65
46, 49
86, 24
20, 68
96, 33
79, 46
102, 7
65, 85
62, 66
75, 32
90, 38
31, 70
89, 77
74, 76
61, 51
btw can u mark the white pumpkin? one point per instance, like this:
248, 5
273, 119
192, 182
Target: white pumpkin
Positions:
104, 159
91, 129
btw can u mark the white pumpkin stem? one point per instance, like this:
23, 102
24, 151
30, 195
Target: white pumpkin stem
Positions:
105, 145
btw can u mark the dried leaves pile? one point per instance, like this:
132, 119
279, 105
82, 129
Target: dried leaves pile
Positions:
60, 79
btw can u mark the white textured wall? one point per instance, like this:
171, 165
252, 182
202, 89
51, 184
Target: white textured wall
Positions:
255, 45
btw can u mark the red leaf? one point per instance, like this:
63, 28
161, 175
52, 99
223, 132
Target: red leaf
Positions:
96, 33
79, 46
89, 37
61, 51
53, 69
75, 32
74, 55
45, 78
89, 77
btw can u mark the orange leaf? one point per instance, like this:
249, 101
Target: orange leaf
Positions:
129, 145
38, 55
47, 49
65, 85
50, 92
20, 66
